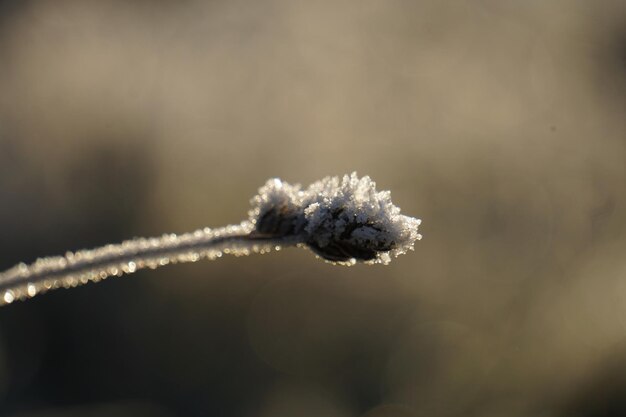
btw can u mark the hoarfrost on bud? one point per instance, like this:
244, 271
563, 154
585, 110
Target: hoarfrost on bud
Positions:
342, 220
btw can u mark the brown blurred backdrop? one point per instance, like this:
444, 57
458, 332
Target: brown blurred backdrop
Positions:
501, 123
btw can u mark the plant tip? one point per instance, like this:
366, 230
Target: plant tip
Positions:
342, 220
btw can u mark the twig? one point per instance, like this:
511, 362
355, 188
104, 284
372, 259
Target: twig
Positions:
343, 221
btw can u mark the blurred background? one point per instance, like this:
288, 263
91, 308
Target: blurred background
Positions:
502, 124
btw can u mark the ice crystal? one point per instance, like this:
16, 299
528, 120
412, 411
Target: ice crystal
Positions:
341, 220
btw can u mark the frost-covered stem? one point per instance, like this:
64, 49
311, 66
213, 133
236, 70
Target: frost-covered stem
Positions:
342, 220
73, 269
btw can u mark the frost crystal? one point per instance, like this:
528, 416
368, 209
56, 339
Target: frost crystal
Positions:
341, 220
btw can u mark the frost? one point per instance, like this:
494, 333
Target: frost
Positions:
277, 209
341, 220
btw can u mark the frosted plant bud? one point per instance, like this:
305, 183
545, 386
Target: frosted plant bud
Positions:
276, 209
341, 220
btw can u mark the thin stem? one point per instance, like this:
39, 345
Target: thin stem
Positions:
343, 221
73, 269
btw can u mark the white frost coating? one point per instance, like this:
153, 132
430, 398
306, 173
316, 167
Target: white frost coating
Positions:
352, 210
342, 220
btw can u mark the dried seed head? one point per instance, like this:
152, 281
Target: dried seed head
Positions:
341, 220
